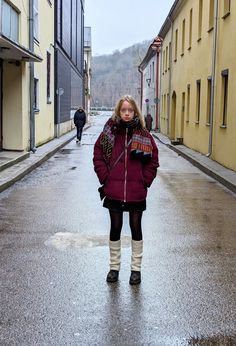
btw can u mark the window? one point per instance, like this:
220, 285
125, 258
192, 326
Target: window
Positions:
225, 80
153, 71
167, 107
163, 61
176, 44
199, 20
211, 15
183, 37
36, 20
190, 28
188, 103
226, 8
167, 58
48, 77
36, 95
209, 93
198, 101
164, 106
10, 22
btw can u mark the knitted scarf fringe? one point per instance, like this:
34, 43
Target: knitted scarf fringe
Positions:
141, 143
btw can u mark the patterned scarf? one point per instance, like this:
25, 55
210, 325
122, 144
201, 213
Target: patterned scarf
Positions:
141, 145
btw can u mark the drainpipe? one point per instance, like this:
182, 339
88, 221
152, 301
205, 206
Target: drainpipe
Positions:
141, 91
213, 77
158, 84
157, 90
31, 86
170, 76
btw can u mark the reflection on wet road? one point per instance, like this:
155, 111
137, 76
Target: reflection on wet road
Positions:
54, 258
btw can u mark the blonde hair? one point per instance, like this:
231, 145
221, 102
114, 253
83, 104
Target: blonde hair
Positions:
137, 112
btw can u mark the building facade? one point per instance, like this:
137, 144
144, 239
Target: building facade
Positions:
150, 70
69, 62
198, 77
41, 53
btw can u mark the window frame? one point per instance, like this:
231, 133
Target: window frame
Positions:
188, 103
12, 11
200, 14
226, 8
36, 19
190, 29
176, 45
48, 89
198, 101
225, 95
36, 95
183, 37
209, 98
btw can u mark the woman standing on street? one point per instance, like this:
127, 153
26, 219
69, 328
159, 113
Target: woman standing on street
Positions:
125, 161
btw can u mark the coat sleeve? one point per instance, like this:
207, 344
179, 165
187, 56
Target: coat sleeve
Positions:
75, 117
150, 168
100, 166
84, 118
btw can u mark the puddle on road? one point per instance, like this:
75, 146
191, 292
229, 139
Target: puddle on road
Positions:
66, 240
68, 151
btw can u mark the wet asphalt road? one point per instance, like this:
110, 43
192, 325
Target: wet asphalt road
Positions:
54, 259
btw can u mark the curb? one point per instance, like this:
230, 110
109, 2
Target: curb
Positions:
14, 161
26, 170
203, 168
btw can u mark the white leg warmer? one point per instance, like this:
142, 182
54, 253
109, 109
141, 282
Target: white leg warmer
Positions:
137, 254
115, 254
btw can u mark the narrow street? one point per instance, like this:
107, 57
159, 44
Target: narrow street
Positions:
54, 258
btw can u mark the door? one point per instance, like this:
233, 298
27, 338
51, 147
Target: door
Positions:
173, 116
182, 116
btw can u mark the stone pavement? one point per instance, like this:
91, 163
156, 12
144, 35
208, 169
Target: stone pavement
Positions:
218, 172
15, 165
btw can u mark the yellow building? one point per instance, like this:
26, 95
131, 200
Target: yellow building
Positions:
26, 65
198, 77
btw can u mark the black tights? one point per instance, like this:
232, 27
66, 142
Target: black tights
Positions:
135, 218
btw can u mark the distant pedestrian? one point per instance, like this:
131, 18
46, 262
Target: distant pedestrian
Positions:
79, 121
148, 122
125, 161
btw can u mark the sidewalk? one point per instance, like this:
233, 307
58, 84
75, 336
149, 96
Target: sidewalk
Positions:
224, 175
15, 165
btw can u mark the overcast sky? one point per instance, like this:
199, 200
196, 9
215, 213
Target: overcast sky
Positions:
117, 24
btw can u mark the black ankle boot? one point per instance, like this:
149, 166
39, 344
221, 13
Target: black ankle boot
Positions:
135, 278
112, 276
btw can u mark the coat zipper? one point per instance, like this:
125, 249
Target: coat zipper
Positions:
125, 165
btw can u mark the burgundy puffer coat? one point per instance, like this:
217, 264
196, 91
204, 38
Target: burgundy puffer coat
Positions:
129, 179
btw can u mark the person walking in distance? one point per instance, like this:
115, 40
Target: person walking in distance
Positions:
79, 121
125, 161
148, 122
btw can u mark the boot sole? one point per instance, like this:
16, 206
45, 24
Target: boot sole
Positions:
111, 281
132, 283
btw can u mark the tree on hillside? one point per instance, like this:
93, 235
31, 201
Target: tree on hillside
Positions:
116, 74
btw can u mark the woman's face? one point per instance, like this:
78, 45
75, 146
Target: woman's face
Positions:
126, 111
